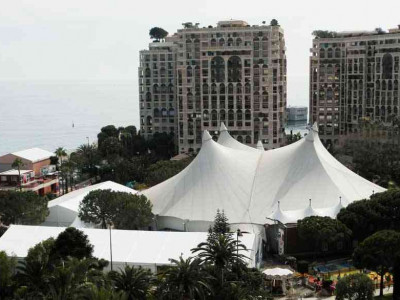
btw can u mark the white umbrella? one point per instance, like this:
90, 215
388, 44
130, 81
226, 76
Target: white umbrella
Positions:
278, 272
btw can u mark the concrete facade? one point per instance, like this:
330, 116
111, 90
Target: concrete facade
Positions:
354, 78
232, 73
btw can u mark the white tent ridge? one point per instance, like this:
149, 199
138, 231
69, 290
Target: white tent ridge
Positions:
250, 185
148, 249
64, 210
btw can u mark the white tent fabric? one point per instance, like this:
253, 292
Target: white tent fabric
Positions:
227, 140
279, 272
248, 185
64, 210
260, 146
133, 247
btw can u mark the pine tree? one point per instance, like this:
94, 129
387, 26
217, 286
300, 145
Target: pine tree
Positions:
221, 225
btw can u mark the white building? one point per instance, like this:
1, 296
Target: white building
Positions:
149, 249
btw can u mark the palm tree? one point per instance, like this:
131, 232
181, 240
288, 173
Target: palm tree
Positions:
18, 163
135, 283
185, 280
60, 153
93, 292
221, 251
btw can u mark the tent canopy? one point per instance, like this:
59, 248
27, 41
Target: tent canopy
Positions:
250, 185
134, 247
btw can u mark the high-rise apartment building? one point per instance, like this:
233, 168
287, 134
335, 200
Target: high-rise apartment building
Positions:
354, 77
232, 73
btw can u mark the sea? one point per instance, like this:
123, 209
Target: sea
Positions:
52, 114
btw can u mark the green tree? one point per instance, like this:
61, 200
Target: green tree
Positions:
292, 138
164, 169
93, 292
185, 279
124, 210
221, 225
72, 242
162, 145
366, 217
324, 34
18, 163
322, 230
7, 269
99, 207
134, 212
60, 153
355, 287
86, 158
157, 33
274, 22
22, 208
380, 252
135, 283
110, 147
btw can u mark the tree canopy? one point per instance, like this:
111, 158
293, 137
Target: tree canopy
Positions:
165, 169
158, 33
72, 242
324, 34
356, 287
366, 217
322, 230
380, 252
123, 210
274, 22
26, 208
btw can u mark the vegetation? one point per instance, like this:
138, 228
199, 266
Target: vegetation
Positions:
64, 268
26, 208
322, 34
381, 252
164, 169
18, 164
365, 217
356, 287
157, 33
274, 22
123, 210
292, 138
322, 231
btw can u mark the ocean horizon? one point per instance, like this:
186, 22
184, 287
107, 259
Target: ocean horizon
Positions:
52, 114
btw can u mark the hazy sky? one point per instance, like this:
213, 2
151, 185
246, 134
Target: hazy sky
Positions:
100, 39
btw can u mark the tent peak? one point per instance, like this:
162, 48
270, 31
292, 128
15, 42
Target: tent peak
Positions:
260, 145
223, 127
206, 136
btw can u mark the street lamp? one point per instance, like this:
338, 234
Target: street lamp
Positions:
87, 140
238, 233
110, 225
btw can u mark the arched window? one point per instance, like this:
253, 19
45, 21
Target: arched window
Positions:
171, 112
378, 85
390, 85
164, 112
247, 88
156, 113
221, 42
322, 53
387, 66
234, 69
205, 115
238, 42
213, 88
189, 72
148, 96
330, 53
149, 120
190, 101
155, 89
222, 88
147, 72
214, 115
218, 69
171, 88
205, 88
213, 43
238, 88
230, 42
337, 52
163, 89
222, 115
248, 139
230, 88
231, 115
240, 139
247, 115
239, 115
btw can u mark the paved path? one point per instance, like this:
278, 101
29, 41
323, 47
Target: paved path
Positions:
385, 291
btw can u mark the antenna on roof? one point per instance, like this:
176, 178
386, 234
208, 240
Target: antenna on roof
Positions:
340, 199
310, 201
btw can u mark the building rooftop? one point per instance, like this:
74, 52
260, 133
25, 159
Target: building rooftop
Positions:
233, 23
14, 172
34, 154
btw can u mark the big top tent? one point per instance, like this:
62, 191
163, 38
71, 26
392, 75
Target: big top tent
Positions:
287, 184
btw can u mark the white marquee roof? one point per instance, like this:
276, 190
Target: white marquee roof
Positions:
129, 246
34, 154
250, 185
73, 199
227, 140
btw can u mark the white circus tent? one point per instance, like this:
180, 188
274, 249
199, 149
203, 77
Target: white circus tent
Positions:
250, 185
63, 211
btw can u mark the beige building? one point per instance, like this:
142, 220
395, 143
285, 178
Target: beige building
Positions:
232, 73
354, 78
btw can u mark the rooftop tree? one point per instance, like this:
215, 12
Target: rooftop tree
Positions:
158, 33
